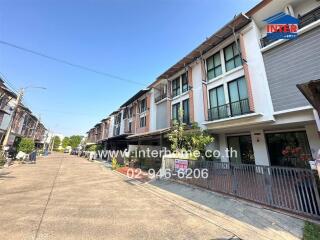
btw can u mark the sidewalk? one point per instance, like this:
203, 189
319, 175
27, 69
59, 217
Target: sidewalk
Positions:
251, 221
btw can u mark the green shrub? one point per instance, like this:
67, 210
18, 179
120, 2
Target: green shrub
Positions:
95, 147
114, 164
26, 145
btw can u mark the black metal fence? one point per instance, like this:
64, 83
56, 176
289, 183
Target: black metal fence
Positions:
291, 189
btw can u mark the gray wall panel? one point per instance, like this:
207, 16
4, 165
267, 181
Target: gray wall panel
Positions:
288, 64
161, 115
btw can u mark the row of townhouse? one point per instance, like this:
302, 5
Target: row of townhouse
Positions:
24, 123
239, 86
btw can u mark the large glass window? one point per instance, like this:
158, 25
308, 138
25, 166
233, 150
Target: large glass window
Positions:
218, 107
232, 57
238, 96
175, 111
186, 113
214, 68
185, 86
289, 149
175, 87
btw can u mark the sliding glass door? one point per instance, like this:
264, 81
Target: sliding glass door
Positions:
242, 145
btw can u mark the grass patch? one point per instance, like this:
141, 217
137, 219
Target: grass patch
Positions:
2, 162
311, 231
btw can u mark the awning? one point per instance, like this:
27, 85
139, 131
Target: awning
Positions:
237, 23
8, 92
311, 90
135, 97
149, 134
3, 111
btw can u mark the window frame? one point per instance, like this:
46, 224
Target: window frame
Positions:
221, 108
143, 108
130, 127
176, 112
130, 112
186, 116
184, 77
240, 99
144, 121
236, 54
175, 88
215, 67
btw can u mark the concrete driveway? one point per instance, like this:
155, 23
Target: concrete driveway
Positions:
67, 197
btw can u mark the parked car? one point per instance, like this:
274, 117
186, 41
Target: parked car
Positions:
66, 151
75, 151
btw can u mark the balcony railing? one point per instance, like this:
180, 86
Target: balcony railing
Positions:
305, 20
160, 97
229, 110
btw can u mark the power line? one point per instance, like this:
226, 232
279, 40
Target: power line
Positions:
70, 63
11, 85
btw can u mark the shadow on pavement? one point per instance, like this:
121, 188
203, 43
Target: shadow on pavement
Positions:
254, 216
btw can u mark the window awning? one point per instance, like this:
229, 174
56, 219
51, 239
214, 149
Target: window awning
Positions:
311, 90
237, 23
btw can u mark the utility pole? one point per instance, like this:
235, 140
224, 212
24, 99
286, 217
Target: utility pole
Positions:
35, 128
8, 132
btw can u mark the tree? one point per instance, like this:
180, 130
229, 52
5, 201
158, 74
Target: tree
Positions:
26, 145
74, 141
56, 142
194, 139
65, 142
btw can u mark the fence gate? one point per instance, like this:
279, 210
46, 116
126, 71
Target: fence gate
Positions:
291, 189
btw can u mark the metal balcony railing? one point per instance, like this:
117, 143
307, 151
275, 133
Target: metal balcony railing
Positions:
229, 110
305, 20
160, 97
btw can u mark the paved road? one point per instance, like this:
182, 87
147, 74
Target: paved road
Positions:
66, 197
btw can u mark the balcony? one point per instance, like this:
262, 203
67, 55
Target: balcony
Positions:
160, 97
305, 20
229, 110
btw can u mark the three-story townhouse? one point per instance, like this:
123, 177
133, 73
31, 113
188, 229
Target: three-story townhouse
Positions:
288, 63
240, 87
7, 101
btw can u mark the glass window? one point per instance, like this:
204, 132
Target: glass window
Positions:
125, 113
232, 56
143, 121
130, 112
185, 108
243, 147
289, 149
218, 107
143, 105
185, 86
175, 111
130, 127
238, 96
175, 87
214, 68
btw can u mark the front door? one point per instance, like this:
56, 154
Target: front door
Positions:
243, 147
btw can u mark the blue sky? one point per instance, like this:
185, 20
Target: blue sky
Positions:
134, 39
